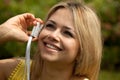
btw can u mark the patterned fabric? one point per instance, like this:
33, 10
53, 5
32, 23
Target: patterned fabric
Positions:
19, 72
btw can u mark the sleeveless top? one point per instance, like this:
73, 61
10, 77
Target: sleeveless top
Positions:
19, 72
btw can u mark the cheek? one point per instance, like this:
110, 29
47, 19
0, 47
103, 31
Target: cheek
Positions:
72, 48
41, 37
43, 34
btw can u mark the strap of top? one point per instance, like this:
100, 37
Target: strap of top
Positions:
19, 72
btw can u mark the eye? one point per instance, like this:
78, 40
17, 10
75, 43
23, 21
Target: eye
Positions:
50, 26
68, 33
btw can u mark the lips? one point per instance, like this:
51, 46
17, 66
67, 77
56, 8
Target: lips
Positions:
52, 46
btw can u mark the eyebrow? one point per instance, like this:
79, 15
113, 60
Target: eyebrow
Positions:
65, 27
52, 22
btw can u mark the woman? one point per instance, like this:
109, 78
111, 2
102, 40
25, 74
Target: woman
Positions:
69, 46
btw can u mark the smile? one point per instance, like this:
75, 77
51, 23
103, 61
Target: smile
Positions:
52, 46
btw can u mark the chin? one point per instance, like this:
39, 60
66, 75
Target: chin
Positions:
49, 58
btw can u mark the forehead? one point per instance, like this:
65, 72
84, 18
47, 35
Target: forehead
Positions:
62, 16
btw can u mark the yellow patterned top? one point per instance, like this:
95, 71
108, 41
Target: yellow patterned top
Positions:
19, 72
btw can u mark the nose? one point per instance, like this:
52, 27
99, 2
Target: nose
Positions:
54, 36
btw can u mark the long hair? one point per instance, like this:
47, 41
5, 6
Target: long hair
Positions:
88, 30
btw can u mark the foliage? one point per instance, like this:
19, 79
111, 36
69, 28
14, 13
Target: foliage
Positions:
109, 75
107, 10
109, 13
9, 8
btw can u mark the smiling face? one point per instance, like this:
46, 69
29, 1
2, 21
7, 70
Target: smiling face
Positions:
58, 41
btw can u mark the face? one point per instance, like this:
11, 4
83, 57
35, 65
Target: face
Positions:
58, 41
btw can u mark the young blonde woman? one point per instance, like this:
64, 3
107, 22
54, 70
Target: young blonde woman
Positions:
69, 46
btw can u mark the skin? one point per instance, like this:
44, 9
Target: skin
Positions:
6, 67
17, 30
55, 45
59, 59
58, 44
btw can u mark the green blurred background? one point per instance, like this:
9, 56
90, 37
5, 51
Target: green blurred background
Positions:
108, 12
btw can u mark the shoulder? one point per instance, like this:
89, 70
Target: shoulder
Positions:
7, 66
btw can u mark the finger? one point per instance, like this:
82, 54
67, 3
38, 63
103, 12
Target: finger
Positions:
23, 37
38, 20
29, 16
35, 39
28, 33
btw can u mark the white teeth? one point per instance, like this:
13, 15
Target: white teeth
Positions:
50, 46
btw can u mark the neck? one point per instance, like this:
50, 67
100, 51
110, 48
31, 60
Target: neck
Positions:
53, 71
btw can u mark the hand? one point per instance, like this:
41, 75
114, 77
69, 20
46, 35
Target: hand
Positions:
16, 27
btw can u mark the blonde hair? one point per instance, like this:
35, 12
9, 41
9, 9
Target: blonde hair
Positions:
88, 30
